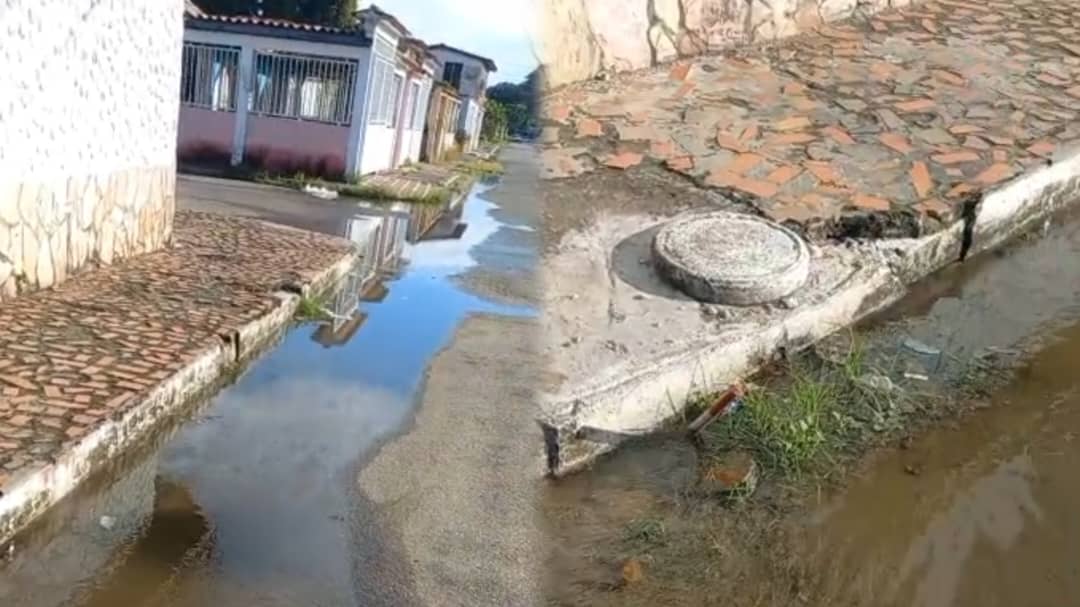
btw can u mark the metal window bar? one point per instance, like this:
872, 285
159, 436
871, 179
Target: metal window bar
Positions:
304, 87
209, 76
382, 91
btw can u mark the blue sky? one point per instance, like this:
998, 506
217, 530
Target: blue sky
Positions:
498, 29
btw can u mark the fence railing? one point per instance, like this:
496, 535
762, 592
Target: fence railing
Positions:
209, 76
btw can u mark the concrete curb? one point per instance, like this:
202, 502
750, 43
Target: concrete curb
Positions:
595, 415
28, 495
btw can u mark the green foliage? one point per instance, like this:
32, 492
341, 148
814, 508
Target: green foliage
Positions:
813, 412
311, 308
330, 12
519, 103
645, 531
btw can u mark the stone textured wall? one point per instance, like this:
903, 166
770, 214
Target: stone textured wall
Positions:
584, 38
88, 115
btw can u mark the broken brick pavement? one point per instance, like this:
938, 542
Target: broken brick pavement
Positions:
84, 353
905, 116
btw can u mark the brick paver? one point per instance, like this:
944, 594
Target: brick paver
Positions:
415, 182
908, 113
78, 354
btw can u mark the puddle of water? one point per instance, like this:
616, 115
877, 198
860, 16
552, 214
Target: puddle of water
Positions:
253, 502
989, 518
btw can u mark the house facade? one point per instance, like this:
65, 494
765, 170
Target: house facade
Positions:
468, 73
442, 119
87, 145
289, 97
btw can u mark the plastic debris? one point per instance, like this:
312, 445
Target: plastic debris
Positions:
107, 522
727, 402
875, 382
320, 192
919, 347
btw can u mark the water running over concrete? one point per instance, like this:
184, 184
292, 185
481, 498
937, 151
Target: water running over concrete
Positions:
254, 500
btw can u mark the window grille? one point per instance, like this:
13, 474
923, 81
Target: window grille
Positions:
209, 76
305, 87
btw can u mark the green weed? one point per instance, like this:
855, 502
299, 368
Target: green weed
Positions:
311, 308
815, 411
645, 531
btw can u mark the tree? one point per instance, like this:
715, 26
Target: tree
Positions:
520, 102
496, 126
329, 12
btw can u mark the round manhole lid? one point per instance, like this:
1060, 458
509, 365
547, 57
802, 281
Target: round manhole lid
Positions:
731, 258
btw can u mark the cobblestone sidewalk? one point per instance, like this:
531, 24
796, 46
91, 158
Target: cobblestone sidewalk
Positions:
880, 126
76, 355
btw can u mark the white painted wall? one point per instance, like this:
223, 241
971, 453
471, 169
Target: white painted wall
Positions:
377, 140
65, 64
474, 75
413, 138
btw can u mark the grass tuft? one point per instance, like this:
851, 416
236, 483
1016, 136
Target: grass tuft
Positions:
644, 531
481, 167
311, 308
361, 189
804, 418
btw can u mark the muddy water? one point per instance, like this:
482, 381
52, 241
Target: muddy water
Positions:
254, 501
979, 511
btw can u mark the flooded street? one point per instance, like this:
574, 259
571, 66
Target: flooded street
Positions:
255, 501
976, 511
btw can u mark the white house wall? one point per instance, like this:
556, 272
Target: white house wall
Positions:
470, 87
377, 140
413, 138
87, 146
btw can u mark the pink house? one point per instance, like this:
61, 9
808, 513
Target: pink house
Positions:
290, 97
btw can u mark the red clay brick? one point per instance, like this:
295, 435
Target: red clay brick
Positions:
838, 134
791, 124
955, 157
681, 164
995, 173
17, 381
920, 179
586, 127
662, 149
959, 190
729, 142
783, 174
743, 163
897, 142
679, 71
1042, 148
935, 208
750, 133
790, 139
823, 171
873, 203
949, 77
624, 160
763, 189
915, 105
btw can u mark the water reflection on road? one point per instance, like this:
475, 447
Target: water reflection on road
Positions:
251, 503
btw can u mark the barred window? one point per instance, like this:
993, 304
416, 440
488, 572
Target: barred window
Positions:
385, 93
452, 74
306, 87
209, 75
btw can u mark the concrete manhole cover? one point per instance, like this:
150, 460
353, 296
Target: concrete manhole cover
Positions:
730, 258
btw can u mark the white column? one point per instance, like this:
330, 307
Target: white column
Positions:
243, 101
360, 108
